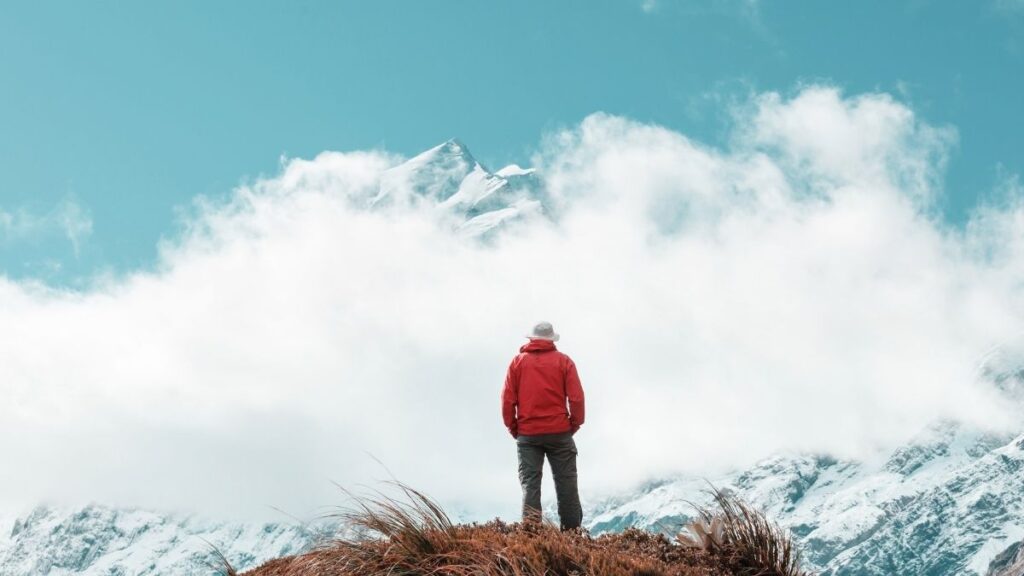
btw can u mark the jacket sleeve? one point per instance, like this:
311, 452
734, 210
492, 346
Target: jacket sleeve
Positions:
574, 392
510, 399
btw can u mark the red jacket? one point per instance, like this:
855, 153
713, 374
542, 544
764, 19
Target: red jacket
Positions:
539, 381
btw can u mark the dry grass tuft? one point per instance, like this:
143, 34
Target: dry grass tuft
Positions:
220, 564
414, 537
750, 543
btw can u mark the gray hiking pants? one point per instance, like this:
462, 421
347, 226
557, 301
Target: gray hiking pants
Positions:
561, 452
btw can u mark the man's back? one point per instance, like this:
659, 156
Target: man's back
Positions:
539, 381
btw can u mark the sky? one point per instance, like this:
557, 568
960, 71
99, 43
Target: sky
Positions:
772, 230
113, 118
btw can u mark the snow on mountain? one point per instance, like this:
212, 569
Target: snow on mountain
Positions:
947, 503
96, 540
514, 170
452, 179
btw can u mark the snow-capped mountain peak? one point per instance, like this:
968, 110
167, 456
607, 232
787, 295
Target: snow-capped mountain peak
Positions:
449, 177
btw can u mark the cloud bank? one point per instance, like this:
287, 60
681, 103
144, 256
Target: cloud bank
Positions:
793, 291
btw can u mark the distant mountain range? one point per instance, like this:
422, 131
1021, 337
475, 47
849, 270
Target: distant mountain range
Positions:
948, 503
103, 541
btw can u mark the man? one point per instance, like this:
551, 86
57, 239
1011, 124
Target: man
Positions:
539, 382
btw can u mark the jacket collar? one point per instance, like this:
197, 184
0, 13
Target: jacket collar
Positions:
538, 345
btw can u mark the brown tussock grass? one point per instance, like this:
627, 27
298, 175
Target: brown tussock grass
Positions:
414, 537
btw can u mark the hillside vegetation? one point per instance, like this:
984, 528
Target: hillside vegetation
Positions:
414, 537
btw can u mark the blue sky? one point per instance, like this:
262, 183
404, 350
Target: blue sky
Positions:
114, 115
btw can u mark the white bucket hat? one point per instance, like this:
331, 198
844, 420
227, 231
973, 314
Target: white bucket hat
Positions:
543, 331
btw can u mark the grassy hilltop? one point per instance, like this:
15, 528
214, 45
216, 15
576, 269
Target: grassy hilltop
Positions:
414, 537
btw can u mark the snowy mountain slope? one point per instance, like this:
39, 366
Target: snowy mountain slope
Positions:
946, 503
96, 540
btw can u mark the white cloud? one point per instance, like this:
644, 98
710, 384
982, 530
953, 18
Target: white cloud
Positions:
793, 292
871, 141
68, 219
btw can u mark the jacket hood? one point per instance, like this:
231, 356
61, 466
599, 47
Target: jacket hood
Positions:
538, 345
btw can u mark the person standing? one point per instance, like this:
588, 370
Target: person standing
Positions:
542, 406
